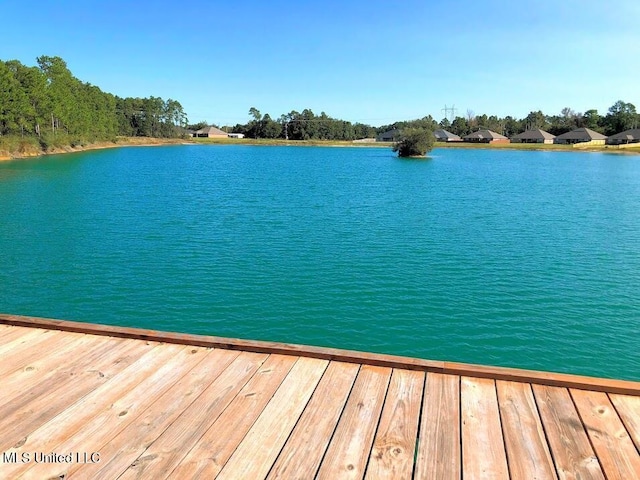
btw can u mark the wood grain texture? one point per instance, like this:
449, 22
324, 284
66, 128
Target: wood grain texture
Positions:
108, 422
350, 446
303, 452
483, 453
628, 408
72, 420
62, 387
270, 431
24, 339
202, 442
8, 333
613, 446
128, 445
439, 452
623, 387
155, 412
395, 441
568, 442
25, 348
527, 449
391, 361
39, 365
543, 378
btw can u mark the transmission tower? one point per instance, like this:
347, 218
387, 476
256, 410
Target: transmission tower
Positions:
448, 110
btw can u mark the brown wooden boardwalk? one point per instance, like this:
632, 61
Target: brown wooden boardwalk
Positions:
88, 401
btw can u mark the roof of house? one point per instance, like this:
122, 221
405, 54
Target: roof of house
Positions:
211, 131
631, 134
441, 133
534, 134
581, 134
491, 135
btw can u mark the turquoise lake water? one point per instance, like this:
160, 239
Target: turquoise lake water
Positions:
515, 258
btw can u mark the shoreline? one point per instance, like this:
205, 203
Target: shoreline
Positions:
154, 142
100, 145
453, 145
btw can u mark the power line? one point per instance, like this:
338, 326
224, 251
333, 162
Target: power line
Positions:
446, 111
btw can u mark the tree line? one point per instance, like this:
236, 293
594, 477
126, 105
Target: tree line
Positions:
621, 116
306, 125
46, 101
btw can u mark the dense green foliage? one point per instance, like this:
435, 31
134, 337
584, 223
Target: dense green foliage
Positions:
303, 126
47, 101
306, 125
621, 116
414, 142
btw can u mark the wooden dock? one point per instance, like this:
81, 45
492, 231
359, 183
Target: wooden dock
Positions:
90, 401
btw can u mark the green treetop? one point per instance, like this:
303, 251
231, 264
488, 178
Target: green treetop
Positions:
414, 142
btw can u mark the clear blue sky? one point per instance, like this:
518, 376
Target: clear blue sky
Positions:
369, 61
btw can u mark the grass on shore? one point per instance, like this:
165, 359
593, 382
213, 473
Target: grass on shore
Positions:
347, 143
541, 146
283, 142
19, 147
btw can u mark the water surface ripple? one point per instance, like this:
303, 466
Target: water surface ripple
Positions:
524, 259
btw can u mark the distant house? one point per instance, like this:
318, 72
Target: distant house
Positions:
210, 132
628, 136
235, 135
485, 136
389, 136
534, 135
581, 135
444, 136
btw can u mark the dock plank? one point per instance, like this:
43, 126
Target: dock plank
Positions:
25, 348
270, 431
303, 452
481, 427
166, 405
439, 452
628, 408
62, 387
569, 444
203, 441
351, 444
108, 422
394, 446
24, 337
42, 362
131, 442
8, 333
70, 421
42, 365
527, 449
610, 439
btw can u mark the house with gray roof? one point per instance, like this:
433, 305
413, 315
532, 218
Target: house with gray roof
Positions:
535, 135
210, 132
628, 136
388, 136
485, 136
581, 135
444, 136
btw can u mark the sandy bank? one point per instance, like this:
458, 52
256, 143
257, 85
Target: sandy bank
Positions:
120, 142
